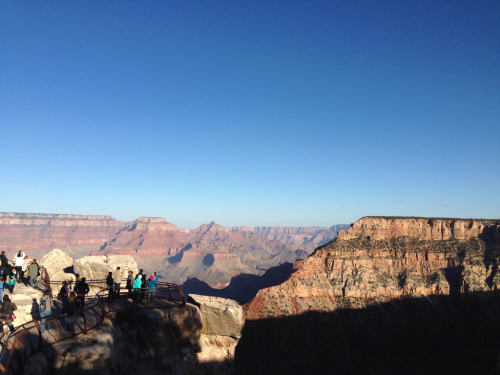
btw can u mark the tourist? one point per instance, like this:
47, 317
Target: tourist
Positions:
82, 288
19, 259
72, 307
63, 295
117, 277
24, 267
109, 286
11, 281
130, 281
144, 286
45, 308
137, 287
152, 289
4, 263
7, 312
2, 287
33, 272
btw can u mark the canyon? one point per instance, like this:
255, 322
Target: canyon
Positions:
390, 295
211, 252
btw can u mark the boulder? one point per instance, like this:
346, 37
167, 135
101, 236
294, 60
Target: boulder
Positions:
58, 264
219, 316
97, 267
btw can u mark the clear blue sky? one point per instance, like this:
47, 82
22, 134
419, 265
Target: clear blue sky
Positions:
250, 112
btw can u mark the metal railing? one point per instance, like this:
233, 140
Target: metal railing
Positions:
28, 339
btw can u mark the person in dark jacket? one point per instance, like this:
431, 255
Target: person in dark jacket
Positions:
109, 286
82, 288
72, 308
4, 262
33, 272
6, 312
63, 295
130, 282
144, 286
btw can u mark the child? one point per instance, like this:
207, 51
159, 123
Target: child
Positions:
12, 281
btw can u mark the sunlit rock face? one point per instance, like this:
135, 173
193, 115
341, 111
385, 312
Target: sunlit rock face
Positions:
381, 259
58, 264
98, 267
38, 234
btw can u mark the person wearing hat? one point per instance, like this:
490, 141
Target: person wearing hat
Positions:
152, 289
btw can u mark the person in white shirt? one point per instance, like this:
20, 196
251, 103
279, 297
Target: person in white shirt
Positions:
19, 263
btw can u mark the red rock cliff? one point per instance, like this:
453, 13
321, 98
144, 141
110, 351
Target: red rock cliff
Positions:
379, 259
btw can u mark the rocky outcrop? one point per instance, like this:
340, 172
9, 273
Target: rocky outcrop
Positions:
124, 344
373, 264
59, 265
98, 267
152, 225
181, 340
430, 229
223, 321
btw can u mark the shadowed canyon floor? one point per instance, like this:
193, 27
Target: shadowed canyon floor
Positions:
426, 335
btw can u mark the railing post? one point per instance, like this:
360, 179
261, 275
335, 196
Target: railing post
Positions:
40, 341
84, 321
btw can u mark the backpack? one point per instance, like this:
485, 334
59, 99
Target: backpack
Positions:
42, 305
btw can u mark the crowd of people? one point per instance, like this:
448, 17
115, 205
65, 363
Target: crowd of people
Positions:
139, 288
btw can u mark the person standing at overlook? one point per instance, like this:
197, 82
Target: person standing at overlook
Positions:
137, 287
11, 282
19, 259
152, 289
130, 282
24, 268
117, 278
7, 312
81, 289
109, 286
33, 272
4, 263
45, 307
63, 295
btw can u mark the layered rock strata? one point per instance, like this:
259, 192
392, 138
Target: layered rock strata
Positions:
38, 234
380, 259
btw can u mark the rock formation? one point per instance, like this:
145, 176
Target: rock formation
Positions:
223, 321
384, 258
211, 252
98, 267
178, 341
381, 228
59, 265
38, 234
390, 296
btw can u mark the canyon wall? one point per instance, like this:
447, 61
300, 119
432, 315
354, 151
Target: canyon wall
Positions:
37, 234
379, 259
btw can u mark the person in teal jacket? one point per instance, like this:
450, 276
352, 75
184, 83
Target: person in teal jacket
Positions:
152, 289
137, 287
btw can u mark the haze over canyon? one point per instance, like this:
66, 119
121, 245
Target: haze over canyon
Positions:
211, 252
